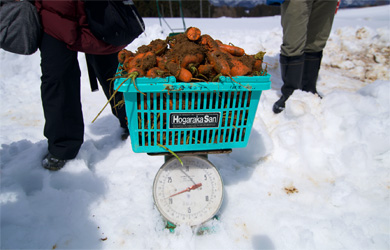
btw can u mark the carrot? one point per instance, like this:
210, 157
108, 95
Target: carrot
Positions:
126, 63
136, 60
193, 33
143, 61
184, 75
155, 72
158, 46
190, 56
180, 73
148, 61
160, 62
220, 64
123, 55
136, 71
209, 42
257, 66
152, 72
206, 69
192, 59
233, 50
187, 59
238, 68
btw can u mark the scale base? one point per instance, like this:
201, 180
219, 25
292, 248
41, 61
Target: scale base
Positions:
201, 230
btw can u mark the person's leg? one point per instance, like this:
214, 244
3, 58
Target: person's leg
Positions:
320, 25
105, 67
310, 71
318, 31
295, 16
60, 93
294, 20
291, 71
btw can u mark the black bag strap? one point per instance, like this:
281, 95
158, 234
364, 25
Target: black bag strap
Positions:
92, 77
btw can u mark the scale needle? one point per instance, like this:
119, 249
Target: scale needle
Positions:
193, 187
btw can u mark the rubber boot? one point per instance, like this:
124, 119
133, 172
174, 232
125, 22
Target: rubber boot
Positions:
310, 73
292, 71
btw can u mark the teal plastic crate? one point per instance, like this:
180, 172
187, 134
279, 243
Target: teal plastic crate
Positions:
191, 116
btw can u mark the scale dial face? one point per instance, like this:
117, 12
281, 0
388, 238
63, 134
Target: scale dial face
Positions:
190, 194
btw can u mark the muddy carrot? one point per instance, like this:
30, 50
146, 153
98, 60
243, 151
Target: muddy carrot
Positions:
238, 68
136, 71
220, 64
126, 63
161, 62
135, 61
155, 72
193, 33
233, 50
205, 69
184, 75
180, 73
160, 47
257, 66
191, 59
209, 42
123, 55
219, 42
148, 61
143, 61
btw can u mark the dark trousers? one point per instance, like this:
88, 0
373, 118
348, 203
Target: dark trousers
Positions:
60, 93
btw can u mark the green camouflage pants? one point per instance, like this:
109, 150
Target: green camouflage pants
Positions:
306, 25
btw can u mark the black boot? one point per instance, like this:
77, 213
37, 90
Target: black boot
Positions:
280, 105
292, 70
52, 163
310, 72
125, 133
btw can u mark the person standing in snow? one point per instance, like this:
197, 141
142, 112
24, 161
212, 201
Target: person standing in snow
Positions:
66, 32
306, 28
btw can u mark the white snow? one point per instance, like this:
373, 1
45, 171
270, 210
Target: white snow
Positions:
315, 176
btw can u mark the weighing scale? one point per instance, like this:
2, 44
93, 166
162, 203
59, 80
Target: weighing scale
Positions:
190, 193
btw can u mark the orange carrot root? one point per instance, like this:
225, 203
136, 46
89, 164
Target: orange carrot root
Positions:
193, 33
191, 59
233, 50
238, 68
123, 55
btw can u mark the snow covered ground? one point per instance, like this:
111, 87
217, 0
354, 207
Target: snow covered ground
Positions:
316, 176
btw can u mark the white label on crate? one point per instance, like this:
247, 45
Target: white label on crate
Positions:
194, 120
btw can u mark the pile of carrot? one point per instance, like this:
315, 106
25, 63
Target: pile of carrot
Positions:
190, 57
